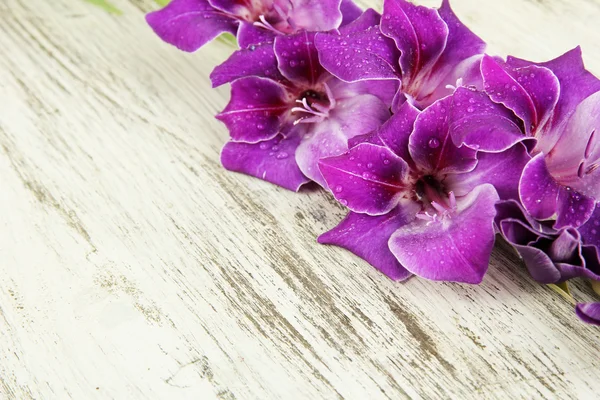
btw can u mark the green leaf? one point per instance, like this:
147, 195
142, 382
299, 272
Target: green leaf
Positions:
228, 39
563, 290
162, 3
106, 6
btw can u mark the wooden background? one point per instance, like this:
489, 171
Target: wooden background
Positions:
132, 266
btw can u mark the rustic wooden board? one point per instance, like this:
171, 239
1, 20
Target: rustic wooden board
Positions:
133, 266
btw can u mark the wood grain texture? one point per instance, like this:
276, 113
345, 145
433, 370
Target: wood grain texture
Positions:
132, 266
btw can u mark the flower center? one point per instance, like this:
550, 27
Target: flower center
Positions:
438, 204
313, 106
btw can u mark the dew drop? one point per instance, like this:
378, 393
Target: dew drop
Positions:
338, 189
433, 143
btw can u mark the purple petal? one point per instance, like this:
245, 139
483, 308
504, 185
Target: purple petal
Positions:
249, 35
350, 117
481, 124
256, 109
360, 51
395, 132
431, 146
531, 92
350, 11
574, 161
576, 83
419, 33
502, 170
367, 237
189, 24
384, 90
298, 59
460, 61
368, 179
272, 160
538, 263
315, 15
589, 313
573, 209
257, 61
456, 249
512, 209
538, 190
233, 7
590, 231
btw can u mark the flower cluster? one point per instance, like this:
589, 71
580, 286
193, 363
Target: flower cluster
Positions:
434, 146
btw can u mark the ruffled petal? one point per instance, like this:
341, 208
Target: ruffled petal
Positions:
298, 59
272, 160
256, 111
367, 237
457, 249
531, 92
360, 51
256, 61
502, 170
431, 146
350, 117
368, 178
189, 24
589, 313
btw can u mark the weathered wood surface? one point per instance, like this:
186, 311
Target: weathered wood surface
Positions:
132, 266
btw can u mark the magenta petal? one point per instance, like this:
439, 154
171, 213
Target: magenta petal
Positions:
576, 83
395, 132
249, 35
590, 231
271, 160
574, 161
573, 209
419, 33
360, 51
531, 92
431, 146
257, 61
589, 313
457, 249
297, 58
189, 24
367, 237
368, 178
350, 12
350, 117
481, 124
502, 170
538, 190
539, 264
256, 109
314, 15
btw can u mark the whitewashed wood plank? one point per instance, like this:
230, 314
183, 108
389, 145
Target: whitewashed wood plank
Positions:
134, 266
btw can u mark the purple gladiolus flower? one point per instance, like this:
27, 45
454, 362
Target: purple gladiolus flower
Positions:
283, 123
559, 104
550, 255
419, 202
589, 312
430, 51
189, 24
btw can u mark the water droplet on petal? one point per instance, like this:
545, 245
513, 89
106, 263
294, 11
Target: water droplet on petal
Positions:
433, 143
